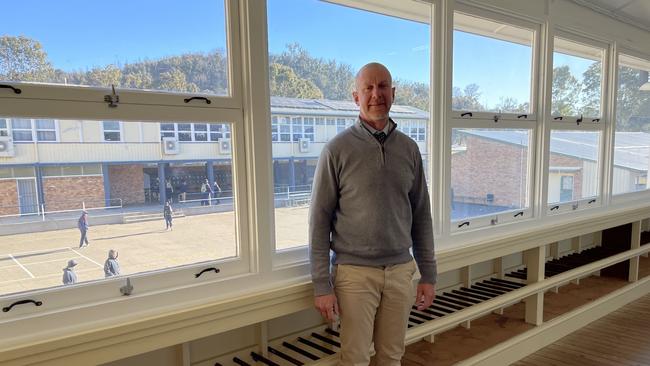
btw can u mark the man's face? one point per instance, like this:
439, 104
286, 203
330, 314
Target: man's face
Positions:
374, 94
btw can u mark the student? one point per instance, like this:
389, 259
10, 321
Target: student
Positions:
82, 224
69, 276
111, 266
167, 213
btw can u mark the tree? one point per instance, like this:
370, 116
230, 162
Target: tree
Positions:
632, 102
411, 93
566, 92
104, 76
467, 99
334, 80
591, 90
285, 83
23, 59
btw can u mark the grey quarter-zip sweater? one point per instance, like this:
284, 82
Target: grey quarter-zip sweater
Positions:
369, 205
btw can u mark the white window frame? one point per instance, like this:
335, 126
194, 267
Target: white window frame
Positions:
120, 130
490, 120
87, 105
34, 130
634, 196
581, 123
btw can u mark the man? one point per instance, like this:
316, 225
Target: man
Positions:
82, 224
69, 276
369, 205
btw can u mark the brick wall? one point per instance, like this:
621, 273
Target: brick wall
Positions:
67, 193
8, 197
490, 166
558, 160
127, 183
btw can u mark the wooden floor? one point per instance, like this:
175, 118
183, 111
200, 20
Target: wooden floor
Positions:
621, 338
459, 343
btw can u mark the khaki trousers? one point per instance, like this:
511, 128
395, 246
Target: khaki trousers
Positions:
374, 305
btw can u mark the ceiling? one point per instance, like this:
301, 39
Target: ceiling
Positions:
635, 12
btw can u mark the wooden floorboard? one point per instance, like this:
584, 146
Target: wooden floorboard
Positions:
621, 338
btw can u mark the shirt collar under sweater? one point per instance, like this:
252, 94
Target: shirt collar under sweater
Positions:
389, 127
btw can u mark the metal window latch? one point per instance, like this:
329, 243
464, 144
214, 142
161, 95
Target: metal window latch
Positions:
112, 99
127, 289
494, 221
496, 118
579, 120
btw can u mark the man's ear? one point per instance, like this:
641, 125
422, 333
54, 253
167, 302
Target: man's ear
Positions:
355, 96
393, 93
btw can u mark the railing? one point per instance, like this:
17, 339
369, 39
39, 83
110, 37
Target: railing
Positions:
90, 204
205, 198
293, 196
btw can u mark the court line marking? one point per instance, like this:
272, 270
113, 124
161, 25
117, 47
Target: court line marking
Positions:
78, 271
21, 266
100, 265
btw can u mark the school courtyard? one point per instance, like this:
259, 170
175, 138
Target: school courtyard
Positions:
36, 260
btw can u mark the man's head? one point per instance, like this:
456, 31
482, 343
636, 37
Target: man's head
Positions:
374, 93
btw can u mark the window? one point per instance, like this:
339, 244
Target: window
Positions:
489, 172
310, 77
4, 127
492, 66
577, 79
23, 129
199, 132
573, 167
112, 131
632, 136
101, 177
152, 55
413, 129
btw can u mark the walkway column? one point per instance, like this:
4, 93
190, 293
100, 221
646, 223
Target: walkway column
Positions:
534, 260
39, 187
162, 194
107, 185
292, 172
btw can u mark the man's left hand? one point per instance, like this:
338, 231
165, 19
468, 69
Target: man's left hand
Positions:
425, 294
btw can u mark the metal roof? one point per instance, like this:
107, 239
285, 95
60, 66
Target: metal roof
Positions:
631, 148
335, 108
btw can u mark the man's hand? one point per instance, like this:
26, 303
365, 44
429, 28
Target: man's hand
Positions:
425, 294
328, 306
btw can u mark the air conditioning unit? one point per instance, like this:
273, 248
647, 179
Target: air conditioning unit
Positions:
170, 146
304, 146
6, 146
224, 146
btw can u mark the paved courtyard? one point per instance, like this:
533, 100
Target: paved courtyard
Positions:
36, 260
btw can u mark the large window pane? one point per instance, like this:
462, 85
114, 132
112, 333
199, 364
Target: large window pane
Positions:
573, 166
311, 76
489, 171
161, 45
492, 66
577, 79
632, 139
122, 186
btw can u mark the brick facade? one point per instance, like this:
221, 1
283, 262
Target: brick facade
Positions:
68, 193
9, 197
127, 183
558, 161
490, 167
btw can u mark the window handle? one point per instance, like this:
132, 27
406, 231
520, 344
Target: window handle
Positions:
555, 207
207, 101
21, 302
558, 118
520, 213
463, 224
466, 114
591, 201
216, 270
522, 116
595, 120
16, 90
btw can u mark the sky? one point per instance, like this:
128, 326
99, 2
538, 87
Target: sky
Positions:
81, 34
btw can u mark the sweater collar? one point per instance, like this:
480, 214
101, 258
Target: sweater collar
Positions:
368, 132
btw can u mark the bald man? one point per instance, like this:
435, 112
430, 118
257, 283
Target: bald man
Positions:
369, 206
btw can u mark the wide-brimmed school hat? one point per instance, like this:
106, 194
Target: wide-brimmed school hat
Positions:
72, 263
